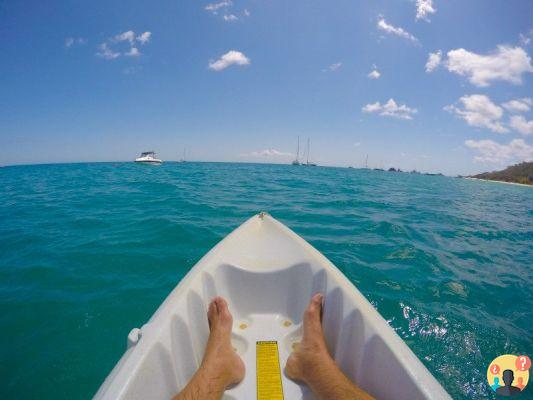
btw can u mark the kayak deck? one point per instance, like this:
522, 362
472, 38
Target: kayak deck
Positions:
267, 274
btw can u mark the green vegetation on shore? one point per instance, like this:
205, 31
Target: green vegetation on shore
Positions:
519, 173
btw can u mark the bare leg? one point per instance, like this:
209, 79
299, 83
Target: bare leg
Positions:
311, 363
221, 366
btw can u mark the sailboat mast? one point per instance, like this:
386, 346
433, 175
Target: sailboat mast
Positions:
307, 151
366, 162
298, 149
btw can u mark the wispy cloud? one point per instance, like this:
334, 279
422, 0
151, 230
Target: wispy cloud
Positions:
424, 8
124, 36
144, 38
268, 153
518, 105
132, 70
526, 38
491, 152
503, 64
107, 51
72, 41
232, 57
230, 17
214, 7
397, 31
390, 109
332, 67
434, 60
222, 8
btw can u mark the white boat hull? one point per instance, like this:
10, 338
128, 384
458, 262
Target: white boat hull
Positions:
267, 273
151, 161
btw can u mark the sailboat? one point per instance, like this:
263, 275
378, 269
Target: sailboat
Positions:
309, 164
297, 161
183, 158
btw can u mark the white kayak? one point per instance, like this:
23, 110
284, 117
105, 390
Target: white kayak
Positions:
268, 274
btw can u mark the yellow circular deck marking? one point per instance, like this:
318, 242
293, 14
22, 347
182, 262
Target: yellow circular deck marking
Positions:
269, 386
243, 326
286, 324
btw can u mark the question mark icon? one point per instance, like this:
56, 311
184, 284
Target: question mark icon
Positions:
523, 363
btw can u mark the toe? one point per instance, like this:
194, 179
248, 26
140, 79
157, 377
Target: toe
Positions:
314, 308
223, 310
316, 300
212, 313
312, 317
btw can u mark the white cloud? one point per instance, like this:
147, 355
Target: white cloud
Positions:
144, 37
105, 52
423, 8
232, 57
434, 60
518, 105
357, 144
214, 7
333, 67
374, 74
267, 153
230, 17
384, 26
134, 52
479, 111
521, 125
105, 49
121, 37
390, 109
71, 41
246, 13
493, 152
505, 64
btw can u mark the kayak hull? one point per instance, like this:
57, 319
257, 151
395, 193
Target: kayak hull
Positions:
267, 274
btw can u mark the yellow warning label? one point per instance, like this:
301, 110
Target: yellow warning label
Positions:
269, 385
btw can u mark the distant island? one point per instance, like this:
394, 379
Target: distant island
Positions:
519, 173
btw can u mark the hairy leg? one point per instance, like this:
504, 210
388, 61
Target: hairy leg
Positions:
221, 366
311, 363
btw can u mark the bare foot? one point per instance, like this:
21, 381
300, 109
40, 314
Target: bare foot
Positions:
311, 352
220, 358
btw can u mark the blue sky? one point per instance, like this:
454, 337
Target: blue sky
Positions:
240, 80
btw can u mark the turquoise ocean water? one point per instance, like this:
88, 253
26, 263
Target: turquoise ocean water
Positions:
89, 251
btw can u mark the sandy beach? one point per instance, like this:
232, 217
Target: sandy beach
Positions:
508, 183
